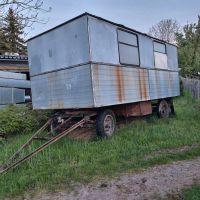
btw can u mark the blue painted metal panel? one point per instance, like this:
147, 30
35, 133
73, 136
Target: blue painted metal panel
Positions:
163, 84
69, 88
62, 47
103, 41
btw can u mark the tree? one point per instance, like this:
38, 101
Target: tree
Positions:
189, 49
27, 10
13, 30
3, 44
165, 30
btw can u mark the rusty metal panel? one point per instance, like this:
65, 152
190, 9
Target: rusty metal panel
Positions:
146, 51
103, 41
133, 109
117, 85
68, 88
172, 57
163, 84
62, 47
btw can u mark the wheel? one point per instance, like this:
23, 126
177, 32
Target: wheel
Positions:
164, 109
54, 130
105, 123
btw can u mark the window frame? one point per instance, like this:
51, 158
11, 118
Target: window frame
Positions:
160, 42
155, 41
130, 45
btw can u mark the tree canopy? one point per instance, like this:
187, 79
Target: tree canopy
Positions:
13, 32
188, 42
165, 30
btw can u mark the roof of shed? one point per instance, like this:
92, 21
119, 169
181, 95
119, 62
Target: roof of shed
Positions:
100, 18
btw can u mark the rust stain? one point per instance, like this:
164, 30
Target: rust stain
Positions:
143, 85
120, 83
96, 72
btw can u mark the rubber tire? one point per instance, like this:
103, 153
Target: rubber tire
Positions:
169, 108
100, 122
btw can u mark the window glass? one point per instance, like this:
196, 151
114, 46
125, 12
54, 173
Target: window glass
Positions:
128, 54
127, 38
128, 48
159, 47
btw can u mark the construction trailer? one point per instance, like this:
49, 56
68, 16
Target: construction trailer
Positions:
91, 70
89, 63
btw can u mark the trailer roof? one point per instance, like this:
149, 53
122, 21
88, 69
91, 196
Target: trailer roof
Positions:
100, 18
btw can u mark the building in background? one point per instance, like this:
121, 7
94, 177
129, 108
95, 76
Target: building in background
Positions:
14, 79
14, 63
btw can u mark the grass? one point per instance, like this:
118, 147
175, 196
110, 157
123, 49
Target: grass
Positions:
192, 193
71, 161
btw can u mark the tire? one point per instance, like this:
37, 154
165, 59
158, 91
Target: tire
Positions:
105, 123
164, 109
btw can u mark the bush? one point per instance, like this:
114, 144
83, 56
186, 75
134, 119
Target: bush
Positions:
20, 119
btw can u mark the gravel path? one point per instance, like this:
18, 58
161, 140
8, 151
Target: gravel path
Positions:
153, 183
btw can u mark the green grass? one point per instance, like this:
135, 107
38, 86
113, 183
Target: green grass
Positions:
70, 161
192, 193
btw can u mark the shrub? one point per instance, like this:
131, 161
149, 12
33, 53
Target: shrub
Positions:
20, 119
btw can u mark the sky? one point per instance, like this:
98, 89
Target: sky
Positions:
136, 14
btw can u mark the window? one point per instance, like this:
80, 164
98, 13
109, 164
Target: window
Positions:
160, 55
128, 48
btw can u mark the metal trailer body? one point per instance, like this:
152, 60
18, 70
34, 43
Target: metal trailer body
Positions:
12, 88
89, 62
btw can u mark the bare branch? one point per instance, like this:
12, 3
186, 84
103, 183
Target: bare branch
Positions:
27, 10
165, 30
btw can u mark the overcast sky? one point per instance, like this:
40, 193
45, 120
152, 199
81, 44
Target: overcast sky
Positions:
136, 14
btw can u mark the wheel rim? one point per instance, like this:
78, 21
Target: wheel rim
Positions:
109, 125
164, 109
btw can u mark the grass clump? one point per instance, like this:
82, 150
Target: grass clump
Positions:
20, 119
192, 193
69, 161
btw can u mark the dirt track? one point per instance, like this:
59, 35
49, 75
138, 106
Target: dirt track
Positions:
153, 183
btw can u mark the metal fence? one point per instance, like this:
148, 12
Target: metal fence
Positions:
192, 85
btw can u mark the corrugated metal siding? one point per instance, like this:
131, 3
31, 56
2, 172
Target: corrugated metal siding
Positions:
18, 95
69, 88
163, 84
146, 51
6, 95
103, 42
116, 85
11, 95
62, 47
